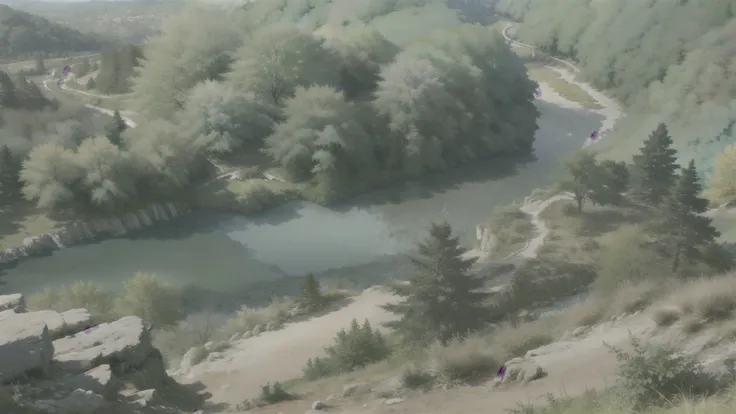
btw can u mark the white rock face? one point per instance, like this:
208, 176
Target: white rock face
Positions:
59, 324
99, 380
15, 301
25, 345
76, 320
125, 341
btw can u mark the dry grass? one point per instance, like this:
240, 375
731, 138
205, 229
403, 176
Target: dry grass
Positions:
247, 318
513, 341
512, 229
569, 91
20, 221
465, 360
706, 300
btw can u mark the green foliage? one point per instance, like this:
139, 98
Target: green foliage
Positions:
85, 295
353, 348
441, 300
310, 295
24, 34
684, 229
272, 394
722, 182
154, 301
628, 257
655, 168
654, 375
10, 186
363, 53
114, 130
584, 176
117, 69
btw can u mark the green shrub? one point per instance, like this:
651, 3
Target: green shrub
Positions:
654, 375
272, 394
354, 348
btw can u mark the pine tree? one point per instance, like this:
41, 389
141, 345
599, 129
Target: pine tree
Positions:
684, 228
8, 92
655, 168
10, 187
310, 295
442, 299
114, 130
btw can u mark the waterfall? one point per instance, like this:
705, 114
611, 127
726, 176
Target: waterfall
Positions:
57, 240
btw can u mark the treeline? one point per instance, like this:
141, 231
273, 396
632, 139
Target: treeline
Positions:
19, 93
117, 68
342, 114
667, 61
23, 33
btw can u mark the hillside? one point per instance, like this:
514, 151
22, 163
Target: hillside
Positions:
640, 53
23, 34
121, 21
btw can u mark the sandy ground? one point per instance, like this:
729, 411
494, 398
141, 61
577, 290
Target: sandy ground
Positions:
281, 355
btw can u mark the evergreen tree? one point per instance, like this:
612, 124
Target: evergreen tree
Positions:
10, 187
684, 228
655, 168
114, 130
310, 295
614, 180
442, 299
8, 93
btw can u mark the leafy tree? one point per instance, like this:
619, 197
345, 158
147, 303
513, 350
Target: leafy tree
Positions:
320, 137
310, 295
107, 180
280, 58
613, 182
584, 176
10, 187
223, 119
114, 130
363, 54
722, 182
684, 229
51, 176
155, 302
441, 299
194, 46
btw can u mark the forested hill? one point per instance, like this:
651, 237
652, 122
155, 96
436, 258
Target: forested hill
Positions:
671, 61
23, 34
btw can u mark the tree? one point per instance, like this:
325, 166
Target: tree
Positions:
194, 46
10, 187
722, 181
115, 128
614, 181
107, 179
51, 176
655, 168
153, 301
223, 119
310, 296
280, 58
363, 53
441, 299
584, 176
684, 229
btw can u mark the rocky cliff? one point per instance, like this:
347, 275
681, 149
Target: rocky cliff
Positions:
86, 231
63, 363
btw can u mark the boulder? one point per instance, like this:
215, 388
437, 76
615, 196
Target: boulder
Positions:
25, 345
59, 324
357, 389
318, 405
99, 380
522, 370
76, 320
14, 301
124, 344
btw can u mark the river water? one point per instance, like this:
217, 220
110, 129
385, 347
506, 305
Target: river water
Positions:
224, 255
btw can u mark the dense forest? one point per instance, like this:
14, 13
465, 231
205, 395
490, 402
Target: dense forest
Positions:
23, 35
117, 68
339, 115
667, 61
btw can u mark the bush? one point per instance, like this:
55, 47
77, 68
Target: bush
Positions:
414, 377
461, 361
655, 375
85, 295
153, 301
272, 394
260, 198
352, 349
248, 318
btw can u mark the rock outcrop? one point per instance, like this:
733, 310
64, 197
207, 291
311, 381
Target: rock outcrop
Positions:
86, 231
50, 363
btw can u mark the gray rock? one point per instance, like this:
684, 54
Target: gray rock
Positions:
99, 380
14, 301
148, 395
357, 389
523, 371
76, 320
124, 344
318, 405
81, 402
25, 345
392, 401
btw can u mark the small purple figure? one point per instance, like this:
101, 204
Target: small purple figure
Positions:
594, 136
502, 371
59, 83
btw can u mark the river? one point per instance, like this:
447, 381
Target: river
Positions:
224, 255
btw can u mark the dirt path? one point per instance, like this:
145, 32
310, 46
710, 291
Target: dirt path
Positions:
281, 355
